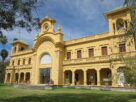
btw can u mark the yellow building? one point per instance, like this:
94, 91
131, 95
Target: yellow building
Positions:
91, 60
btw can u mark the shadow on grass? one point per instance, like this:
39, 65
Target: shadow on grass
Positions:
72, 98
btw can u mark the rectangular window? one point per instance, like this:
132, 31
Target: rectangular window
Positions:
104, 51
79, 54
91, 52
122, 48
68, 55
23, 61
18, 62
29, 61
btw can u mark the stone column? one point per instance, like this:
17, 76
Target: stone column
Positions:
85, 78
73, 77
64, 78
18, 78
5, 81
10, 78
98, 77
58, 66
24, 77
114, 77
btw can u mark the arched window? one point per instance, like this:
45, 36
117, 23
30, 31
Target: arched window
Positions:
45, 59
14, 49
22, 48
120, 24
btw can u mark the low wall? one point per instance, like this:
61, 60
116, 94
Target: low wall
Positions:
50, 87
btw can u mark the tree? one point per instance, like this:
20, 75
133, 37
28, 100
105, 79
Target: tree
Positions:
18, 13
131, 31
130, 70
130, 61
3, 54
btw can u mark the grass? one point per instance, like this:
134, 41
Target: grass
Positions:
10, 94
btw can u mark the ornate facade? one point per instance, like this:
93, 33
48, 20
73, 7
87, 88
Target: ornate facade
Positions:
91, 60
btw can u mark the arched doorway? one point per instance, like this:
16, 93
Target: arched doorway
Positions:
8, 77
45, 72
68, 77
91, 77
22, 78
27, 77
16, 78
79, 77
106, 76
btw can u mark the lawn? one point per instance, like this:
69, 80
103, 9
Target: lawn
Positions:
10, 94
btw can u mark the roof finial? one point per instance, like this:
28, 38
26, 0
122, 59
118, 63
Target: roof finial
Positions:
59, 29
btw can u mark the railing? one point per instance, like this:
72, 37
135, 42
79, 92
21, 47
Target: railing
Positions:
22, 52
86, 60
19, 66
97, 59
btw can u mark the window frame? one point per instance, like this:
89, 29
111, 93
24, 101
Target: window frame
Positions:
79, 56
29, 60
68, 55
122, 48
89, 52
103, 51
18, 62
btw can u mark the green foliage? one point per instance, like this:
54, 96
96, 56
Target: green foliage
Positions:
130, 77
17, 13
131, 31
130, 2
4, 54
130, 61
3, 40
15, 39
130, 70
3, 65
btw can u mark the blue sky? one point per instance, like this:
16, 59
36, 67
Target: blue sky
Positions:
77, 18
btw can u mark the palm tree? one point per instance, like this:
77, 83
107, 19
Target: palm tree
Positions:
3, 54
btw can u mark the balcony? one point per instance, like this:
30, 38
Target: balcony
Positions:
20, 66
22, 52
87, 60
99, 59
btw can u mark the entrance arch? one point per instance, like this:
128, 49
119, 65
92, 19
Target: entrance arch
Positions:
79, 77
8, 77
45, 70
106, 76
22, 77
91, 77
68, 77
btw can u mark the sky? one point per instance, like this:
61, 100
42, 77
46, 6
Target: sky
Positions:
77, 18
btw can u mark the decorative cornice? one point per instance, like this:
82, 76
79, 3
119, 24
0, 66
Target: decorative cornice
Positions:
86, 39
